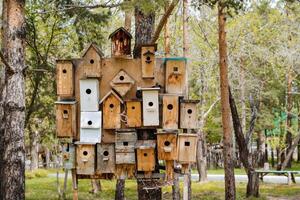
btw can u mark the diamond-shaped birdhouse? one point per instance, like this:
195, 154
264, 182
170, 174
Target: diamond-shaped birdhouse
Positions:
122, 83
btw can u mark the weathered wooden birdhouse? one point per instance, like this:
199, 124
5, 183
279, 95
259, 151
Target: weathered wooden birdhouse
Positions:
90, 127
85, 158
66, 119
122, 83
91, 61
150, 106
148, 60
120, 42
167, 145
106, 158
145, 151
89, 95
170, 111
175, 75
134, 113
188, 114
65, 79
111, 108
68, 153
187, 144
125, 145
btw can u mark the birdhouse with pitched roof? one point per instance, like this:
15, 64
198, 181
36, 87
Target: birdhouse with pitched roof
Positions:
111, 108
91, 61
120, 42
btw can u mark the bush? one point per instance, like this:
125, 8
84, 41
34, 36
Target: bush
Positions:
29, 175
41, 173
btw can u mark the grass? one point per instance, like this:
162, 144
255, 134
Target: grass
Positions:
45, 188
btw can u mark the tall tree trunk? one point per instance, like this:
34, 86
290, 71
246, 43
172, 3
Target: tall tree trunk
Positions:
128, 17
201, 157
12, 148
176, 187
147, 189
243, 103
290, 153
261, 148
227, 133
34, 152
272, 158
167, 45
144, 28
120, 186
289, 138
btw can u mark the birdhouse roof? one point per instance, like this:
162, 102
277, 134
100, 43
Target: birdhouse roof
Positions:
189, 101
118, 30
111, 92
175, 58
145, 144
95, 46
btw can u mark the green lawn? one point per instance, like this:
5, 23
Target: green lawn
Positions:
45, 188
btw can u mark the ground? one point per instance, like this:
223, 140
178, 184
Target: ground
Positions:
39, 188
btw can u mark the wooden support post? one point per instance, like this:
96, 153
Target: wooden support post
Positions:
65, 184
186, 182
75, 184
289, 178
169, 170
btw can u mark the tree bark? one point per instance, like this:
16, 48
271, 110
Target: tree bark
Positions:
147, 189
201, 157
120, 186
144, 26
167, 45
290, 153
253, 184
128, 17
12, 96
176, 187
227, 133
34, 152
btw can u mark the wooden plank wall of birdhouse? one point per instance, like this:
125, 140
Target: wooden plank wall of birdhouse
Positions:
121, 44
89, 95
170, 112
145, 155
85, 154
175, 76
125, 146
92, 63
90, 127
65, 78
105, 158
167, 146
188, 115
66, 120
108, 136
134, 113
187, 144
150, 108
111, 113
69, 156
148, 61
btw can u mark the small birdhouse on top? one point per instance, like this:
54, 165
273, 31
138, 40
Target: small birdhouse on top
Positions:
120, 42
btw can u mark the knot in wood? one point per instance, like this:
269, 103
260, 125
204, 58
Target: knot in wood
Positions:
11, 106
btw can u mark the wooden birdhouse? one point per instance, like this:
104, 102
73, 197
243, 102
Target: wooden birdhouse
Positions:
89, 95
145, 151
148, 60
122, 83
167, 145
90, 127
125, 145
150, 106
134, 113
66, 119
65, 79
91, 61
120, 42
175, 75
187, 146
68, 153
188, 114
85, 158
106, 158
170, 111
111, 108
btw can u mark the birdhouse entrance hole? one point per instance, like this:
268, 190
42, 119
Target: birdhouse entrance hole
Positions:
189, 111
125, 143
145, 154
88, 91
64, 71
187, 144
170, 107
85, 153
167, 143
90, 122
150, 104
105, 153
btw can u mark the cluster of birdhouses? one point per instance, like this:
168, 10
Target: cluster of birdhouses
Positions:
122, 115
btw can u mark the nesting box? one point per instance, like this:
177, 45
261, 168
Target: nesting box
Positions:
122, 83
188, 114
170, 112
91, 61
89, 95
150, 106
175, 75
187, 147
145, 151
106, 158
167, 145
90, 127
125, 145
68, 153
66, 118
120, 42
148, 60
65, 78
134, 113
111, 107
85, 158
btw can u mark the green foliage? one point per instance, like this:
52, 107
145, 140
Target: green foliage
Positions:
39, 173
